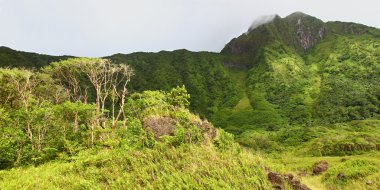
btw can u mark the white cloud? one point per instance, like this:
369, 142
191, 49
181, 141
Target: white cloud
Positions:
104, 27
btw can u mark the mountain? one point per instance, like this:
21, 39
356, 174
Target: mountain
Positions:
296, 70
305, 68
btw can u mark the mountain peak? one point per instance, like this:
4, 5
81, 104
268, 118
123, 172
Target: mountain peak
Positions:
298, 30
298, 14
300, 18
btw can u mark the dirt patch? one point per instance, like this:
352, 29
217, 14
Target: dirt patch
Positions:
296, 184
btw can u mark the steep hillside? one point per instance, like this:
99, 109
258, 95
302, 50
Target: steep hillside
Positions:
302, 71
203, 74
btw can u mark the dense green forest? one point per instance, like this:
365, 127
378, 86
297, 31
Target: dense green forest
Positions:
280, 100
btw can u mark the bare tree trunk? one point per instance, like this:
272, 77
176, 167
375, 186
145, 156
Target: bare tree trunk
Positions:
113, 97
92, 135
29, 132
19, 152
39, 139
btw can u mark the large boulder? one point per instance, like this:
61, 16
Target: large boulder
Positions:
163, 125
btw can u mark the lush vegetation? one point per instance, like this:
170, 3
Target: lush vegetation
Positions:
46, 114
294, 92
50, 127
202, 73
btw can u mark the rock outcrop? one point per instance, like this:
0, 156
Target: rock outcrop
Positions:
320, 167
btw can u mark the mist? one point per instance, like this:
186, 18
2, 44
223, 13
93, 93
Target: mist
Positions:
260, 21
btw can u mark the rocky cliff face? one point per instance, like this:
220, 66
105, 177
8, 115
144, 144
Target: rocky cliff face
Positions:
305, 30
305, 36
298, 30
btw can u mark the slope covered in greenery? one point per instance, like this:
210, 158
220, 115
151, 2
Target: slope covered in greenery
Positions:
203, 74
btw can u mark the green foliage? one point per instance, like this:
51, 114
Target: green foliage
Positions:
179, 97
350, 171
357, 137
293, 136
133, 136
347, 88
238, 121
9, 141
206, 80
259, 141
345, 139
224, 140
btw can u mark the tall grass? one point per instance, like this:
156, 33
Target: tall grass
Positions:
184, 167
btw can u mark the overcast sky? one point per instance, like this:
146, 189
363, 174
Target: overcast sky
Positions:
104, 27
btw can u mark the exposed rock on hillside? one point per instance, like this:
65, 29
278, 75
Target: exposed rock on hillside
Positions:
320, 167
160, 126
278, 181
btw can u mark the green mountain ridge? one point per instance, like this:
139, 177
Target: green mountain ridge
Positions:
13, 58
